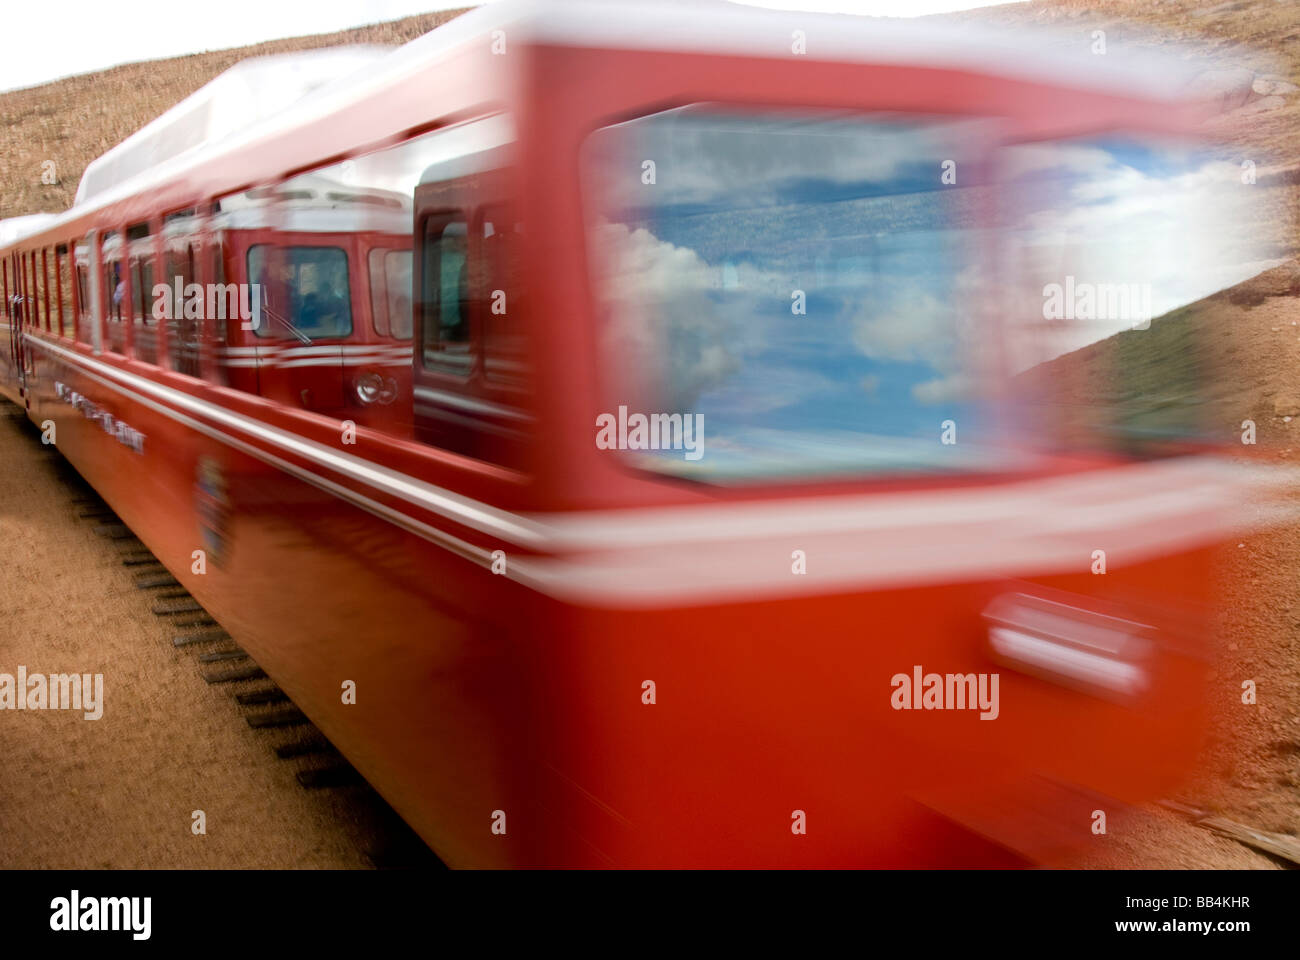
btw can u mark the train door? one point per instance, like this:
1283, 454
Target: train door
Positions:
468, 372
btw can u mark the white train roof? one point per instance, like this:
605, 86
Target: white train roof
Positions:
250, 91
15, 228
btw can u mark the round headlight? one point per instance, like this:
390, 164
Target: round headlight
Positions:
370, 387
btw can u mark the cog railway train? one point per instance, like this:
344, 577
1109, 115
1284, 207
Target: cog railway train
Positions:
396, 373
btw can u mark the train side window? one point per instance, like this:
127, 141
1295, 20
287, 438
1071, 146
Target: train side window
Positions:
42, 306
64, 290
80, 258
50, 260
31, 297
30, 294
445, 294
38, 315
31, 313
139, 265
49, 265
397, 270
34, 293
146, 328
41, 269
115, 277
390, 292
378, 284
20, 288
183, 333
114, 291
211, 358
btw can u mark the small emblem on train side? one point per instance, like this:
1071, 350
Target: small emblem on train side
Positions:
212, 505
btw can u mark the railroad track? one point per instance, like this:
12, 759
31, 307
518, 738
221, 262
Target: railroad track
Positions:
289, 734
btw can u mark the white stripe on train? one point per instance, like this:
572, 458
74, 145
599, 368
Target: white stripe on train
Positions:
657, 556
464, 510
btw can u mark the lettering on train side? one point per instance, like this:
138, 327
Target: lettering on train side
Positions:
126, 435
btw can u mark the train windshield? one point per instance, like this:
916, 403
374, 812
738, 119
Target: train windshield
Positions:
801, 286
305, 290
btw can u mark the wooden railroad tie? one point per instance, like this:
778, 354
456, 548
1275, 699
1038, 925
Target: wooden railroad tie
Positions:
1280, 845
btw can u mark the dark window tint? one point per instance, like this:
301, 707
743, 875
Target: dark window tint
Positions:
445, 295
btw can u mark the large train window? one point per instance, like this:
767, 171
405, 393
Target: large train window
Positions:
801, 281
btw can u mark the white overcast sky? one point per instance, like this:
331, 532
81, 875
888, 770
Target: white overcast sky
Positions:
49, 41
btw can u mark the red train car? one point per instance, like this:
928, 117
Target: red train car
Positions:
675, 495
